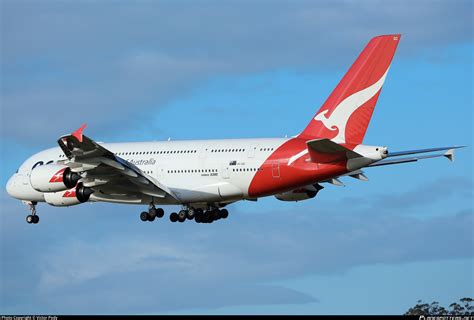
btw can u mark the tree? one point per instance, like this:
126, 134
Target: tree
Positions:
464, 307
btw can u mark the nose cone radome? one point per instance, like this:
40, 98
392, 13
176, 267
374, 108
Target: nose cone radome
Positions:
18, 186
11, 187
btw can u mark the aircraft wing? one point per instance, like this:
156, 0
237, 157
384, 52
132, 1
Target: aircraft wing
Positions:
107, 173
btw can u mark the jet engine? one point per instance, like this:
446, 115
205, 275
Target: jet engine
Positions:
304, 193
53, 178
83, 193
71, 197
62, 199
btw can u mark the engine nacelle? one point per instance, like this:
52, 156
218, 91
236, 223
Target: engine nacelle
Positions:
53, 178
62, 199
83, 193
304, 193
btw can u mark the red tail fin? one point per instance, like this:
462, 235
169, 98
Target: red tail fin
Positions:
345, 115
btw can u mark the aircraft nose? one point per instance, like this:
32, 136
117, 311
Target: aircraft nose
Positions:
14, 186
19, 187
11, 186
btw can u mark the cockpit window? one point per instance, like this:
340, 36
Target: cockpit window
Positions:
17, 170
39, 163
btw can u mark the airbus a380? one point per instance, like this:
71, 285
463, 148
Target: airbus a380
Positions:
205, 176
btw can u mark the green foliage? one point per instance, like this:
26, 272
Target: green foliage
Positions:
464, 307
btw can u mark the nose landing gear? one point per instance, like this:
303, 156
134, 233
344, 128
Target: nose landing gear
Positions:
33, 217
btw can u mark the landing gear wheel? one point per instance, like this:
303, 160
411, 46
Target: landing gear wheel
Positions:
190, 214
32, 218
150, 218
224, 213
206, 217
198, 213
215, 215
152, 212
182, 216
160, 213
173, 217
144, 216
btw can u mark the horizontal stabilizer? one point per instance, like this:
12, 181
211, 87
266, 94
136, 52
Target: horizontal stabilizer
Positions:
325, 151
406, 153
385, 162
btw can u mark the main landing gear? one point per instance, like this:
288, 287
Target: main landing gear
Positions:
187, 213
199, 215
152, 213
33, 217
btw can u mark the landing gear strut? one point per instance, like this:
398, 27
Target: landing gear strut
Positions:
152, 213
33, 217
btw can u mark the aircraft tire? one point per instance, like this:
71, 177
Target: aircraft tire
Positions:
173, 217
152, 213
160, 213
182, 215
144, 216
224, 213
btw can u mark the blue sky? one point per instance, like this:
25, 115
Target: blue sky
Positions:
207, 69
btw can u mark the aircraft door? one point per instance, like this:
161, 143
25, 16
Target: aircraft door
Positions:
276, 169
225, 171
251, 152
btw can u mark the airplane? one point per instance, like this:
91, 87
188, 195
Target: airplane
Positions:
205, 176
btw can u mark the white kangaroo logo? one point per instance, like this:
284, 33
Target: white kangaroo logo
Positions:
339, 117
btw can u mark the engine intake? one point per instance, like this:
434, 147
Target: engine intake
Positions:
83, 193
53, 178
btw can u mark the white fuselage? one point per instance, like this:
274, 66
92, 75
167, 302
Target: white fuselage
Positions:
195, 170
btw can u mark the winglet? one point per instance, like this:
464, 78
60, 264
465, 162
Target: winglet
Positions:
449, 154
78, 133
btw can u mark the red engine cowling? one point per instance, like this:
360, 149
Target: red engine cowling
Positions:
71, 197
53, 178
62, 199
